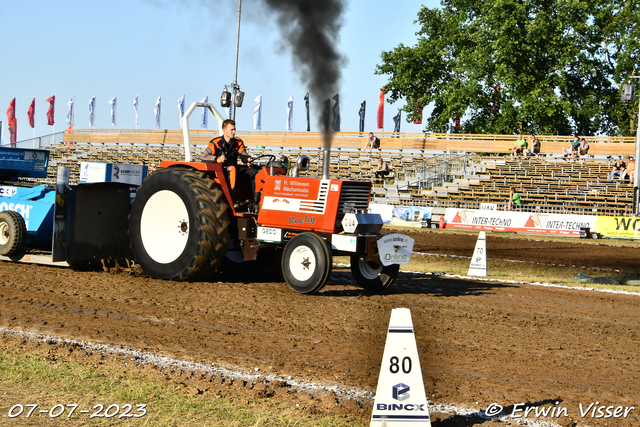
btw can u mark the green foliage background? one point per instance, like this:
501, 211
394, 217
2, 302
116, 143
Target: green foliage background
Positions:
531, 66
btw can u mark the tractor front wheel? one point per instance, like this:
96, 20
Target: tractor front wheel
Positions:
306, 263
178, 225
371, 275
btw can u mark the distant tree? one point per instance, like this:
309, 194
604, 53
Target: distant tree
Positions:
508, 66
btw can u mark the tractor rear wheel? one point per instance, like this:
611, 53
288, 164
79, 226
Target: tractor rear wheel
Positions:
306, 263
178, 225
372, 276
13, 233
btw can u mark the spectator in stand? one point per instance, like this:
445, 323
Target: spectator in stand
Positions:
534, 146
514, 200
573, 150
372, 142
382, 170
618, 168
519, 146
584, 147
630, 170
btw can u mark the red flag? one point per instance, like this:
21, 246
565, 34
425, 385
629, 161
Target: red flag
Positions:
50, 111
11, 111
13, 129
32, 112
380, 116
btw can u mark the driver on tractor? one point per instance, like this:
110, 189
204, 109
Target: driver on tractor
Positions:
226, 149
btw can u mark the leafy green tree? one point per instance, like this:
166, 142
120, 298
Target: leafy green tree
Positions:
507, 66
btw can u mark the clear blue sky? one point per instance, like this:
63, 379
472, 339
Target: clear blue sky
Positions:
149, 48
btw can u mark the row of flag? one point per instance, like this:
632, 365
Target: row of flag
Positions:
329, 123
31, 112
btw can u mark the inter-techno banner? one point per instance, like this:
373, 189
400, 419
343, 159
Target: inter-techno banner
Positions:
524, 222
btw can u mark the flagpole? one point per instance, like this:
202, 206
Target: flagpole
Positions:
235, 75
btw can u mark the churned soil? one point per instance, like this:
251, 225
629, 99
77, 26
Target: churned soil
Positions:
480, 342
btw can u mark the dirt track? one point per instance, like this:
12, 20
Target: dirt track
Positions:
479, 342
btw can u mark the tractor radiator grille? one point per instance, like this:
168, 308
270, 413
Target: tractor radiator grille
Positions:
354, 197
317, 206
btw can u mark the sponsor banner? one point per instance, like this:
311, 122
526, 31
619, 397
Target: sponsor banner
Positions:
91, 172
385, 211
488, 206
296, 187
344, 242
395, 249
410, 216
525, 222
412, 213
8, 191
618, 226
128, 174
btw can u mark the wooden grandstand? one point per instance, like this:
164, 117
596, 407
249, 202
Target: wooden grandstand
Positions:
547, 183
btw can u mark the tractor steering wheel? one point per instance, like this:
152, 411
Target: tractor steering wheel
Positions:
261, 165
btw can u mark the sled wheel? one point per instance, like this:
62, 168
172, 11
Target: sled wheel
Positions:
371, 275
306, 263
13, 233
178, 225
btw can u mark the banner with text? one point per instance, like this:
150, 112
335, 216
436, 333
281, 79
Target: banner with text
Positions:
618, 226
524, 222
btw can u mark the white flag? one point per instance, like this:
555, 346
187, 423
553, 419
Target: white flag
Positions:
70, 113
289, 112
92, 111
113, 111
181, 108
135, 107
205, 117
257, 113
157, 111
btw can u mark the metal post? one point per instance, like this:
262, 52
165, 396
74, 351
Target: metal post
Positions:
636, 190
235, 75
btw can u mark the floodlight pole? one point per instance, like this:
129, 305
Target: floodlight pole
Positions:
235, 75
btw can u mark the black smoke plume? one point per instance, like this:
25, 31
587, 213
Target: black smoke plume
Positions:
312, 29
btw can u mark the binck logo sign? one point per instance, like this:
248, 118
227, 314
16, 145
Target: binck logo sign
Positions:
400, 392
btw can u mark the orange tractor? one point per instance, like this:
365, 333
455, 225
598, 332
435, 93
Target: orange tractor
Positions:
183, 223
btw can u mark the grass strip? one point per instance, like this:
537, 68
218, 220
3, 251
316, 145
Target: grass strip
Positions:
38, 378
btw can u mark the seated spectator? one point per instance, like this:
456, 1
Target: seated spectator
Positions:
372, 142
584, 148
630, 170
382, 170
519, 146
534, 146
514, 201
618, 168
573, 150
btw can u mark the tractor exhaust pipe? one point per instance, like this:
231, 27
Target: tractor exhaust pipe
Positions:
302, 164
326, 160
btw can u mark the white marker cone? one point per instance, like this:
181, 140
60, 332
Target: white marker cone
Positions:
400, 397
478, 266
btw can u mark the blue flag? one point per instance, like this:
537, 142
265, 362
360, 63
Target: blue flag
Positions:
363, 108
